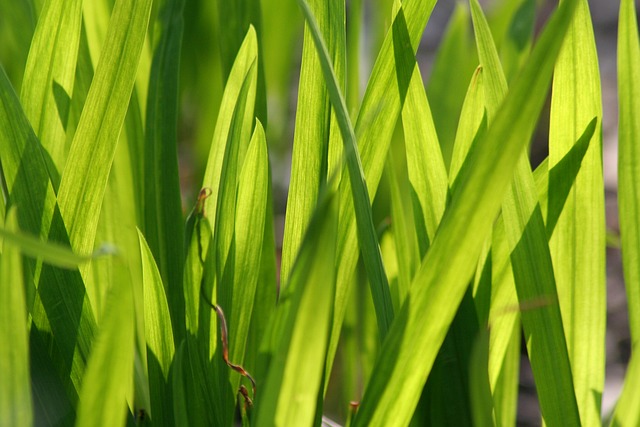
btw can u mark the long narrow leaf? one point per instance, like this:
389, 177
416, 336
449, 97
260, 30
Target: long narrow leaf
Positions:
316, 128
526, 234
49, 252
158, 335
162, 213
367, 237
578, 242
410, 348
629, 158
300, 330
29, 186
50, 75
249, 235
626, 412
376, 121
91, 154
103, 397
15, 390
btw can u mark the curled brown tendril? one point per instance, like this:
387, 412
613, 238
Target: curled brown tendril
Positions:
202, 196
199, 209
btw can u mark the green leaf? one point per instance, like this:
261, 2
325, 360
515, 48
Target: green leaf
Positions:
425, 165
526, 234
91, 154
563, 175
50, 252
629, 158
406, 249
317, 138
267, 288
249, 234
163, 220
626, 412
446, 90
243, 71
299, 333
481, 400
224, 239
180, 402
411, 345
472, 120
17, 23
516, 45
193, 388
50, 75
234, 22
158, 335
578, 242
367, 237
375, 125
108, 376
65, 327
15, 387
27, 182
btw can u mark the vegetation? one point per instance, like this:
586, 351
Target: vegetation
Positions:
418, 243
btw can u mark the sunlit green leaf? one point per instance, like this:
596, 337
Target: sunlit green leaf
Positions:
299, 333
578, 242
158, 335
411, 346
50, 75
103, 397
91, 154
15, 388
629, 158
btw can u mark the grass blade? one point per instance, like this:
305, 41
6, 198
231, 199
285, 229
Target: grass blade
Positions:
374, 128
367, 237
243, 66
299, 333
158, 335
91, 154
425, 165
446, 90
481, 399
316, 135
63, 327
162, 205
411, 346
17, 24
578, 242
50, 75
249, 234
472, 122
50, 252
526, 234
517, 42
626, 412
629, 158
103, 397
15, 387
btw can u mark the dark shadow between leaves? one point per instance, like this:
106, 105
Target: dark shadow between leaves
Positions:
63, 103
563, 175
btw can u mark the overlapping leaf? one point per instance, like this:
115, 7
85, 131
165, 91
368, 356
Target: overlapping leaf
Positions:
410, 348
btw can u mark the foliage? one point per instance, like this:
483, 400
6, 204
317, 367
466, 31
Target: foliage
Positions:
418, 242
